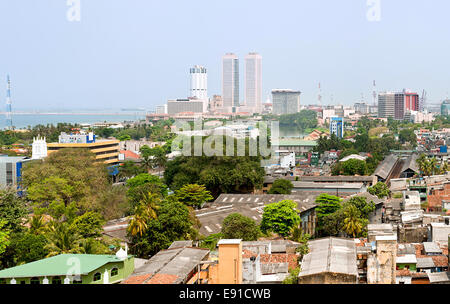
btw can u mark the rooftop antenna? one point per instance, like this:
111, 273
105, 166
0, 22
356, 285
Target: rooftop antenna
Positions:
374, 93
319, 98
8, 104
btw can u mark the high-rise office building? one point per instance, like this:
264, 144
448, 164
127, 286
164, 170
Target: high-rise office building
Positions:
230, 80
386, 105
395, 105
285, 101
337, 126
445, 107
253, 81
199, 82
361, 108
411, 101
399, 111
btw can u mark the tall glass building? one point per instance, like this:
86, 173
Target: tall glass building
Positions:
445, 107
230, 80
285, 101
253, 81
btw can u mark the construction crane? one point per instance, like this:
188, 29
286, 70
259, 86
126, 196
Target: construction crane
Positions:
8, 105
423, 101
374, 93
319, 98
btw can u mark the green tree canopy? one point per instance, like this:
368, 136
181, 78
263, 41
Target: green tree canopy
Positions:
65, 177
173, 222
326, 205
88, 225
12, 209
238, 226
360, 203
142, 184
281, 186
380, 189
193, 195
280, 218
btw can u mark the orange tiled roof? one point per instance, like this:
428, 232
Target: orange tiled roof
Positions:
403, 273
275, 258
129, 154
248, 254
137, 279
161, 278
440, 260
419, 275
419, 250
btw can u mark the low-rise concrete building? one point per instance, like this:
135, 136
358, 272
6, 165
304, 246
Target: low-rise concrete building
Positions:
329, 261
72, 269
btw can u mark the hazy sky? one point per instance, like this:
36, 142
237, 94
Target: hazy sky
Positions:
137, 53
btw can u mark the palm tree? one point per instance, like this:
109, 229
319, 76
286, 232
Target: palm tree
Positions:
422, 162
147, 163
37, 224
144, 212
352, 222
62, 239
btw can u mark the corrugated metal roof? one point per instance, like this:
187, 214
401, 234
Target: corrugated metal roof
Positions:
431, 247
410, 163
330, 255
178, 261
425, 263
249, 205
439, 277
386, 166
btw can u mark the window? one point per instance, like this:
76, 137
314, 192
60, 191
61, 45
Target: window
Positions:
2, 281
23, 282
77, 281
56, 280
97, 276
35, 281
114, 272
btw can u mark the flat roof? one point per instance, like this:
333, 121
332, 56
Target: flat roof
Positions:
432, 247
229, 241
407, 259
297, 142
298, 184
392, 237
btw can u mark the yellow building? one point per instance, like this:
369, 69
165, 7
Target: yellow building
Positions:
106, 151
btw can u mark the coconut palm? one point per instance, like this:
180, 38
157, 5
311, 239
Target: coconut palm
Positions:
421, 162
37, 224
62, 239
352, 222
144, 212
147, 163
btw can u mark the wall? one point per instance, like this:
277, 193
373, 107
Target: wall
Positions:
412, 234
381, 266
328, 278
230, 263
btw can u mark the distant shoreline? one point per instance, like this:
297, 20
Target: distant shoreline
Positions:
71, 113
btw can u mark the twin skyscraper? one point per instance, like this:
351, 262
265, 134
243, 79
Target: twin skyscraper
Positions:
231, 102
252, 83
